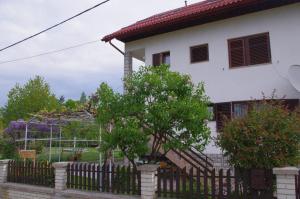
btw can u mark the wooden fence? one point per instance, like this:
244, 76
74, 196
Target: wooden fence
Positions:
196, 184
297, 183
93, 177
33, 173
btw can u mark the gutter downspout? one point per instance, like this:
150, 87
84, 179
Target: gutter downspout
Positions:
115, 47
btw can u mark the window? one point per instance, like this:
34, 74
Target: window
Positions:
199, 53
240, 110
250, 50
211, 112
222, 112
229, 110
161, 58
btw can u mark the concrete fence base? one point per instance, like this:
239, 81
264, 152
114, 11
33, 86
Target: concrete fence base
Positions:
148, 181
20, 191
285, 182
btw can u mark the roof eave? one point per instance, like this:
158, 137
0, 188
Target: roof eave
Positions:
248, 6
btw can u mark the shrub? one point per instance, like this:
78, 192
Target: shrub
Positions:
8, 150
38, 146
267, 137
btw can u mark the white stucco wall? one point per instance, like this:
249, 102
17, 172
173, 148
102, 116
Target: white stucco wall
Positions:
223, 84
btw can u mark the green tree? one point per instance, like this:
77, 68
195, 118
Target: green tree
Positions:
1, 120
31, 98
267, 137
157, 104
83, 98
61, 99
71, 104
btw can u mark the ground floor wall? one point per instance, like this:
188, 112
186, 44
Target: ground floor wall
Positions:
20, 191
212, 148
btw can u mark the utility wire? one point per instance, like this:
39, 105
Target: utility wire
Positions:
27, 38
50, 52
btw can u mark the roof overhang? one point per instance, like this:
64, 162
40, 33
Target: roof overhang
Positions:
195, 14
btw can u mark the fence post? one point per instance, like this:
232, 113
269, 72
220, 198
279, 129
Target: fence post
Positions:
148, 181
3, 170
285, 182
60, 175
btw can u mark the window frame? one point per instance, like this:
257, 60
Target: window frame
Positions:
161, 56
197, 46
246, 50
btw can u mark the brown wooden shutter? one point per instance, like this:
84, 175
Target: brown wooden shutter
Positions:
237, 55
199, 53
223, 111
259, 49
156, 59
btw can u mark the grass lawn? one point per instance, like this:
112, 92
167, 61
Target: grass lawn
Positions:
89, 155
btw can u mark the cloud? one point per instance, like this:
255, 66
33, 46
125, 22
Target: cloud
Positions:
70, 72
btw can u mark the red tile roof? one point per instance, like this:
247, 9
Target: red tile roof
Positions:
195, 14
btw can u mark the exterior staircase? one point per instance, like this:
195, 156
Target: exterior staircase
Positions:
190, 158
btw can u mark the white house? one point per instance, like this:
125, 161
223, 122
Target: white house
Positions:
238, 48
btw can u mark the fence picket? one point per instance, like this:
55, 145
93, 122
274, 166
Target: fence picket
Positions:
139, 182
184, 182
89, 177
213, 184
228, 182
80, 177
113, 179
297, 184
128, 180
118, 179
93, 177
191, 182
205, 184
133, 181
221, 184
178, 174
98, 178
107, 178
159, 182
198, 184
165, 176
84, 176
122, 177
171, 176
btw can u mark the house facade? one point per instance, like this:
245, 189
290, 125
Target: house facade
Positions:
238, 48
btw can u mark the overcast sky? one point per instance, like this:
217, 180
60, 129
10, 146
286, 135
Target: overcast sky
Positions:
69, 72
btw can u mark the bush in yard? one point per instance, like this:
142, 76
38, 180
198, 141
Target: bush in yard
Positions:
8, 150
267, 137
157, 104
38, 146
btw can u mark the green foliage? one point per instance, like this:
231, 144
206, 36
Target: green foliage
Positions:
1, 122
83, 98
31, 98
71, 104
267, 137
8, 150
37, 145
88, 131
158, 103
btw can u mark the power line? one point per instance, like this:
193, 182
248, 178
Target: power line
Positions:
99, 4
50, 52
